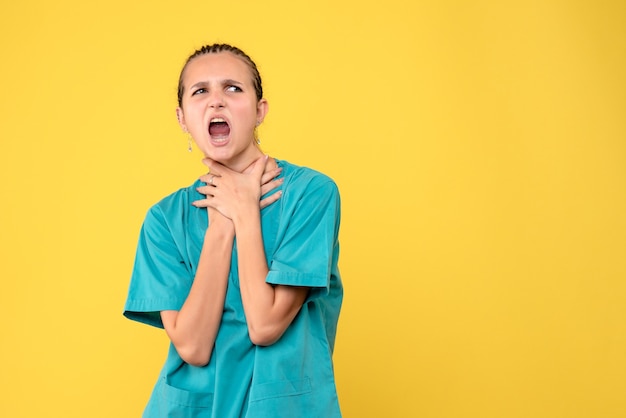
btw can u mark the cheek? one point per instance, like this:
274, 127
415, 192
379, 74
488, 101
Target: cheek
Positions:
246, 115
193, 116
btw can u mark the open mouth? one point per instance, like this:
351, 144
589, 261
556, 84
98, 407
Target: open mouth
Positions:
218, 128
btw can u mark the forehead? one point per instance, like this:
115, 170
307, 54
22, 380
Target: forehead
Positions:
221, 65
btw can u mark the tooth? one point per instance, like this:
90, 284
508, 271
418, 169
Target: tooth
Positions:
217, 120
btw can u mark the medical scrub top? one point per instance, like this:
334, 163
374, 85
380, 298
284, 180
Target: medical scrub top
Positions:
292, 377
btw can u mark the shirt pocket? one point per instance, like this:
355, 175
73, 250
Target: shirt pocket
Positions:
280, 388
176, 402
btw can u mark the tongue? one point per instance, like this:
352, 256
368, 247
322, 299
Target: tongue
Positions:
219, 129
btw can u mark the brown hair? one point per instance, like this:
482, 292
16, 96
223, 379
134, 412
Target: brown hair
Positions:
217, 48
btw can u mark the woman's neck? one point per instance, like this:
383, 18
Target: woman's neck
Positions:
243, 161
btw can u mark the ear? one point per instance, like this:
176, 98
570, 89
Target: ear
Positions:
262, 107
181, 119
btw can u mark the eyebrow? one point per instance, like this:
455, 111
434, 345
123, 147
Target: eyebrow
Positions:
225, 82
230, 81
199, 84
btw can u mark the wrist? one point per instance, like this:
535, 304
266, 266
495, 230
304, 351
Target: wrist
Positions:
247, 219
221, 225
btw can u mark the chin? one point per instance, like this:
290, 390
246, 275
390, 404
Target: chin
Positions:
222, 158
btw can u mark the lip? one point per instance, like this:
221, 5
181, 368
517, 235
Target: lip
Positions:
220, 141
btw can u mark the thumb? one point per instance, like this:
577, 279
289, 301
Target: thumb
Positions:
214, 167
259, 167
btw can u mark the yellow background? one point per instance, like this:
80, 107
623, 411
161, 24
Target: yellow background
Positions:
480, 148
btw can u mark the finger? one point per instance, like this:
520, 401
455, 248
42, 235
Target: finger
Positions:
270, 199
214, 167
202, 203
207, 161
259, 167
271, 174
208, 178
206, 190
270, 186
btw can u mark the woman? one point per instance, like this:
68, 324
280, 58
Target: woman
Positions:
240, 268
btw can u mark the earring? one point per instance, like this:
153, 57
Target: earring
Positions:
189, 143
256, 137
256, 133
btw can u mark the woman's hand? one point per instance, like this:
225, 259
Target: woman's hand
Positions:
270, 182
233, 193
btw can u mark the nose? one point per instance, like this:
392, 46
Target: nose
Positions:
216, 100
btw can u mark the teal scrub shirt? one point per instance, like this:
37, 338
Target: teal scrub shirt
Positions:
290, 378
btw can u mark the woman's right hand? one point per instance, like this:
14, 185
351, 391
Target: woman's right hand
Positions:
269, 182
216, 218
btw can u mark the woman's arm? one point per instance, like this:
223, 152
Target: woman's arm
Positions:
193, 329
269, 309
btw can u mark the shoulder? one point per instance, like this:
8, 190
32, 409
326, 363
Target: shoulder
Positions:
174, 202
304, 179
172, 210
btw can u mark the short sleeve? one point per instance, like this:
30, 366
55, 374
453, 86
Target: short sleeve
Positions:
307, 245
161, 279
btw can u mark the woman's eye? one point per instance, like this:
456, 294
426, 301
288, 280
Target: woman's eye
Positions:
233, 88
199, 91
